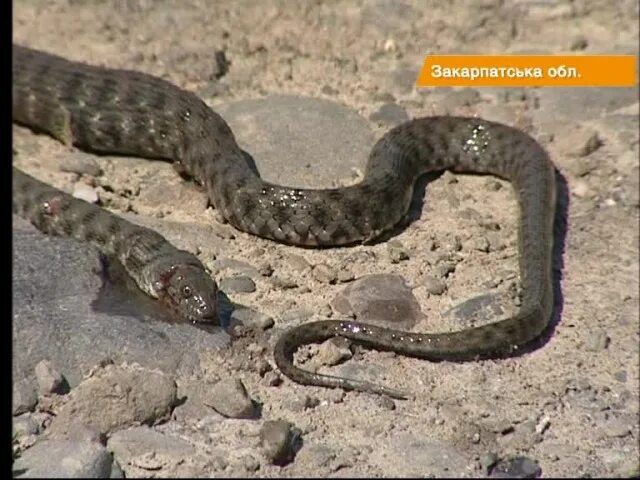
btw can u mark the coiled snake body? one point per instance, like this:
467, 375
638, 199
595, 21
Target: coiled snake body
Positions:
126, 112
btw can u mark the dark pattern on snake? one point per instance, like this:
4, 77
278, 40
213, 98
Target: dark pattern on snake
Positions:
132, 113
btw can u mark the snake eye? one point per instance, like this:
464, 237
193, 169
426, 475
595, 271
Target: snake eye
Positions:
186, 291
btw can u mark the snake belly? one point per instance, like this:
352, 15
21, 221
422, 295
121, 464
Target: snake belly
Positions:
127, 112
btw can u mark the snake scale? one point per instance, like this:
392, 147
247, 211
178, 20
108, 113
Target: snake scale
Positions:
126, 112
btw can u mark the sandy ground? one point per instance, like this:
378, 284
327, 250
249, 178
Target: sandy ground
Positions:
571, 405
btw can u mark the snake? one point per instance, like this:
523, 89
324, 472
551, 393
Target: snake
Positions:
115, 111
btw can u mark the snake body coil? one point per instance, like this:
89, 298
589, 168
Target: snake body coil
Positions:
126, 112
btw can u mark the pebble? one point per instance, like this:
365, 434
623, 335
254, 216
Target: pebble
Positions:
488, 460
389, 114
482, 244
250, 463
238, 284
81, 164
449, 177
296, 315
283, 283
316, 455
252, 318
596, 341
396, 251
86, 193
580, 188
517, 467
301, 403
434, 285
298, 263
574, 140
279, 440
272, 379
333, 351
385, 402
345, 275
49, 379
265, 269
443, 269
579, 42
229, 397
324, 274
379, 297
492, 185
238, 266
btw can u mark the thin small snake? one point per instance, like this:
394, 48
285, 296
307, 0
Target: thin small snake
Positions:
125, 112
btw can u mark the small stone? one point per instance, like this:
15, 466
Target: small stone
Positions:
278, 440
324, 274
385, 298
298, 263
396, 251
434, 285
81, 164
493, 185
49, 379
482, 244
333, 351
238, 284
596, 341
229, 397
265, 269
86, 193
580, 188
385, 402
250, 463
488, 460
252, 318
449, 177
272, 379
445, 268
296, 315
283, 283
621, 376
517, 467
579, 42
390, 114
345, 275
542, 425
301, 403
316, 455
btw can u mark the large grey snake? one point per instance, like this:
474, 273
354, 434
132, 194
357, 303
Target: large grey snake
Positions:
127, 112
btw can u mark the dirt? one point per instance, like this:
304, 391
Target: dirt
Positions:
562, 404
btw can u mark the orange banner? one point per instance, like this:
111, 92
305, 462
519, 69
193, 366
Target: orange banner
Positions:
528, 71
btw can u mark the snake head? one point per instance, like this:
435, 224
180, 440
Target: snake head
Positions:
190, 292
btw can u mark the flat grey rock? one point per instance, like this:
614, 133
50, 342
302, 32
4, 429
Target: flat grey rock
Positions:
379, 298
137, 441
55, 282
64, 459
324, 140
